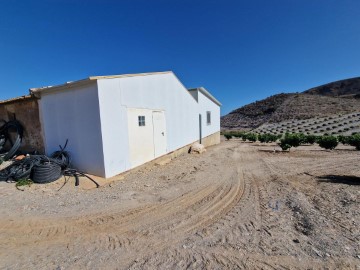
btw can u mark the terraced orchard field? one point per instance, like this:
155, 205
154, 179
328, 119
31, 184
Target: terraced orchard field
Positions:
237, 206
347, 124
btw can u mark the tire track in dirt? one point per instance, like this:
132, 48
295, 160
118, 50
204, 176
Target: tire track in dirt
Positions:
143, 230
223, 197
231, 215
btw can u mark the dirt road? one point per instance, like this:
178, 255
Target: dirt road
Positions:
239, 205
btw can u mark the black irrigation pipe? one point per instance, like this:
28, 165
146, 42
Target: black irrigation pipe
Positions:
43, 169
77, 174
5, 136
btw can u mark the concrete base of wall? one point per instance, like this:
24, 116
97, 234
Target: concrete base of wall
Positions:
207, 141
211, 140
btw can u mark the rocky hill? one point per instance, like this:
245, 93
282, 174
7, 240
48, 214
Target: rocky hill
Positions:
335, 98
343, 88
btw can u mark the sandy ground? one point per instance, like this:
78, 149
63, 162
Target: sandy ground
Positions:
237, 206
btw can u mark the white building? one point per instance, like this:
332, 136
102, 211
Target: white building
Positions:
115, 123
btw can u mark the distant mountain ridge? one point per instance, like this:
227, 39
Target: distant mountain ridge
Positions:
340, 97
342, 88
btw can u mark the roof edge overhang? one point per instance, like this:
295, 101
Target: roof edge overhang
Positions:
207, 94
38, 91
17, 99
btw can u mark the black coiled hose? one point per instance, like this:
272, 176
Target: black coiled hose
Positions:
43, 169
46, 172
62, 157
5, 136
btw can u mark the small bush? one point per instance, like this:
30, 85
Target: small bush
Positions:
284, 146
354, 140
267, 138
328, 142
310, 139
227, 136
290, 140
343, 139
252, 137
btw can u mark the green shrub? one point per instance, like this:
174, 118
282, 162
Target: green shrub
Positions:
227, 136
294, 139
236, 134
267, 138
262, 138
343, 139
310, 139
291, 140
284, 146
252, 137
328, 142
354, 140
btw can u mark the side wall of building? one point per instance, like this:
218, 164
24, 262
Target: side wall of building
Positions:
155, 92
207, 105
114, 127
26, 111
74, 114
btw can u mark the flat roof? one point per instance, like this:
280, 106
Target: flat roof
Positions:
207, 94
89, 79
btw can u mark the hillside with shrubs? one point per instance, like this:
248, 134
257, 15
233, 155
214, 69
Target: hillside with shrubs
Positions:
330, 100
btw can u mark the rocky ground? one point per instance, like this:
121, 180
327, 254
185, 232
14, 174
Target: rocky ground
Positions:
237, 206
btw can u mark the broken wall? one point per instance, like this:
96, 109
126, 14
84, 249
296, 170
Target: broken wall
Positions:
26, 111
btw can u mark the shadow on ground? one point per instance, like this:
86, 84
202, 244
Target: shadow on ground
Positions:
340, 179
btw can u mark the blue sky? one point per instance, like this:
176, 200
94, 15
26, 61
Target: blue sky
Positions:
241, 51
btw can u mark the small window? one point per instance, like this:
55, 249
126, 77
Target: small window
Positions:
141, 119
208, 118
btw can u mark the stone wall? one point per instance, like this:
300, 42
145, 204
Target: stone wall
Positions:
26, 111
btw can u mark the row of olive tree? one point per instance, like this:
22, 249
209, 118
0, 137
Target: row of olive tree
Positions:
296, 139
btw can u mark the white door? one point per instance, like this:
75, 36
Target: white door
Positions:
159, 133
141, 141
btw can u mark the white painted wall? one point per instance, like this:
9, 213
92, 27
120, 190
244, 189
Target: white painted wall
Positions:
114, 127
205, 104
95, 120
156, 92
74, 114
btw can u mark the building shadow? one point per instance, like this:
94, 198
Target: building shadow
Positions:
340, 179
